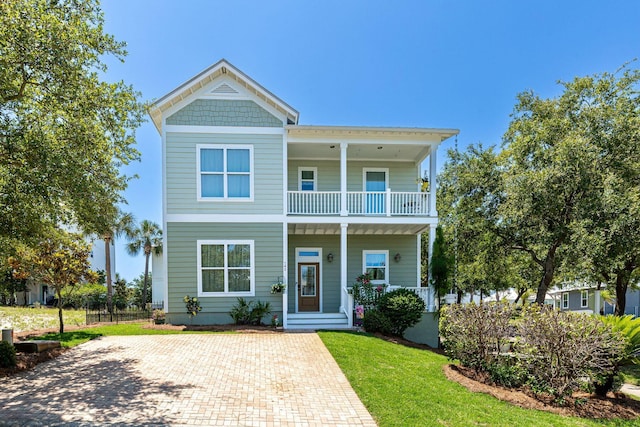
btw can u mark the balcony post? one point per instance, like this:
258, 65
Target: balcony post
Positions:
343, 179
343, 263
431, 306
432, 182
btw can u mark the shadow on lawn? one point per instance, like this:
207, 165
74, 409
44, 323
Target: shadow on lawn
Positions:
86, 387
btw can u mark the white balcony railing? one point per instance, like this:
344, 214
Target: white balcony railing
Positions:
359, 203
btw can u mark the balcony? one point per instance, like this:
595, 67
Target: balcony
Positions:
358, 203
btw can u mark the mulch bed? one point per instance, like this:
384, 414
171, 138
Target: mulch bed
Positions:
615, 405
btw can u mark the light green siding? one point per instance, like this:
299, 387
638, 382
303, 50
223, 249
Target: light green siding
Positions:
403, 273
182, 273
223, 112
181, 176
402, 175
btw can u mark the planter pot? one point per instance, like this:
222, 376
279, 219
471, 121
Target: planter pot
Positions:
450, 298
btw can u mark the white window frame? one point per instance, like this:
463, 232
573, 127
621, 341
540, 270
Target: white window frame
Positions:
584, 298
386, 269
252, 275
199, 173
315, 177
565, 300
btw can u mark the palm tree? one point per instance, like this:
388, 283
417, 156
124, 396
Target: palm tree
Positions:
123, 224
147, 237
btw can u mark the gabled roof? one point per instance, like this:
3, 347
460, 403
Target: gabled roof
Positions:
222, 67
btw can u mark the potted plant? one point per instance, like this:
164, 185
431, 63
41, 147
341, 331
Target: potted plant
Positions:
158, 316
278, 287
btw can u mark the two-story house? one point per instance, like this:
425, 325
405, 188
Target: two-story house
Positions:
252, 198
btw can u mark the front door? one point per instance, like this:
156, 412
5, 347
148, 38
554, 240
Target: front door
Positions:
375, 185
309, 286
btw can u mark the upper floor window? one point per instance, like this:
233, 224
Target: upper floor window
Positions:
376, 264
225, 267
565, 300
307, 179
225, 172
584, 298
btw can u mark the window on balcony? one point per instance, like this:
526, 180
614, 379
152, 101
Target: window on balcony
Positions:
225, 172
376, 264
307, 179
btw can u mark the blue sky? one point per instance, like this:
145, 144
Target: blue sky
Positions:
449, 64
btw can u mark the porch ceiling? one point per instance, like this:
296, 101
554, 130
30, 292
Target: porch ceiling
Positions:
375, 151
358, 229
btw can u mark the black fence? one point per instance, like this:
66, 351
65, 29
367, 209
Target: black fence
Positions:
102, 314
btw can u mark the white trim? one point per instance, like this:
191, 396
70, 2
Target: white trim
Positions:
582, 303
165, 240
252, 281
564, 304
307, 169
386, 269
225, 218
285, 275
225, 173
249, 130
309, 259
364, 177
419, 260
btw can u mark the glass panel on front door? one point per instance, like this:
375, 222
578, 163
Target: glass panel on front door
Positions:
308, 287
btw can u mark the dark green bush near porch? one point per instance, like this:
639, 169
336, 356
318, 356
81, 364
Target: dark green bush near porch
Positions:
375, 321
7, 355
402, 307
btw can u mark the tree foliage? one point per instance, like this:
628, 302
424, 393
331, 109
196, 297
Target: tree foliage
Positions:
565, 190
146, 238
59, 261
64, 132
440, 266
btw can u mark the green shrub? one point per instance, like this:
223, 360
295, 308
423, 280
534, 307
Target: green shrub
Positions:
508, 372
375, 321
7, 355
91, 295
402, 307
246, 313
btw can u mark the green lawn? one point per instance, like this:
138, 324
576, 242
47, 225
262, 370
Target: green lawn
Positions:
404, 386
631, 374
29, 319
74, 338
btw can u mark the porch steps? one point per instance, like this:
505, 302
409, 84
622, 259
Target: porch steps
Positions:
314, 321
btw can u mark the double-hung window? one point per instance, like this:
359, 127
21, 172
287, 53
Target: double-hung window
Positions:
584, 298
376, 263
565, 300
307, 178
225, 172
225, 268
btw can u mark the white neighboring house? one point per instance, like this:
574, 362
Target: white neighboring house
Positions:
39, 292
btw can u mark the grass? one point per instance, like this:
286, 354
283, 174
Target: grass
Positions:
631, 374
402, 386
30, 319
74, 338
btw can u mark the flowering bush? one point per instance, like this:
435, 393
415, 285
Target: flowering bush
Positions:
158, 314
275, 322
193, 305
364, 293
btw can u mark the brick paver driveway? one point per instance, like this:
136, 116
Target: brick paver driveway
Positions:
223, 379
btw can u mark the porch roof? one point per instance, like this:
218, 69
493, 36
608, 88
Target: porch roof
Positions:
365, 143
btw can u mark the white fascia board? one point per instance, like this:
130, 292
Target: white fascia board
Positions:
224, 130
360, 220
225, 218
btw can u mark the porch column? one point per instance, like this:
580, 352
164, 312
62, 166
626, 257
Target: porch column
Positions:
285, 274
596, 301
343, 268
431, 306
432, 183
343, 179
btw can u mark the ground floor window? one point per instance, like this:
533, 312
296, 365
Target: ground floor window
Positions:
225, 267
584, 299
376, 264
565, 300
